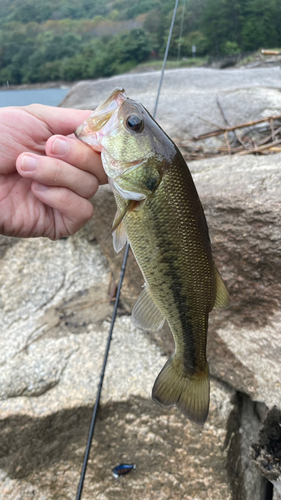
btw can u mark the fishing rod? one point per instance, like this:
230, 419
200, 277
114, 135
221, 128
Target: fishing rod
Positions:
122, 273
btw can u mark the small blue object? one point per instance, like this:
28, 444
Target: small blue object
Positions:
122, 469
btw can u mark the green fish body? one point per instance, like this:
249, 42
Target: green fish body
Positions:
160, 214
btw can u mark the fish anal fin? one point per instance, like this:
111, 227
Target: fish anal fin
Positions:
146, 314
222, 298
190, 393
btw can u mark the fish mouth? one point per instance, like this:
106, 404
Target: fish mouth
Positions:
102, 120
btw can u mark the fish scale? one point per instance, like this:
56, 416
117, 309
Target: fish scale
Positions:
160, 214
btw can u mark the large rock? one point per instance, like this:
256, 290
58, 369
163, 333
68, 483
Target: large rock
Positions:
188, 104
54, 319
242, 204
266, 450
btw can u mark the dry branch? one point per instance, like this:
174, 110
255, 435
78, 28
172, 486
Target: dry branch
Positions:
231, 129
269, 146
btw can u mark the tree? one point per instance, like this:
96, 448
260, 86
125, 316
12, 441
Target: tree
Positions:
221, 23
261, 25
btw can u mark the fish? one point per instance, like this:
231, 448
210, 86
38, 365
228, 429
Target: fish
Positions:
122, 469
160, 214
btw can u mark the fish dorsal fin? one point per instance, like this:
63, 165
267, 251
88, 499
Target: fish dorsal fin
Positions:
222, 298
119, 237
146, 314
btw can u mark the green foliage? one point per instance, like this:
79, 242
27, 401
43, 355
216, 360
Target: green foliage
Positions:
250, 24
262, 24
64, 39
230, 48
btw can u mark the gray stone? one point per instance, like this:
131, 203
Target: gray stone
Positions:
254, 485
276, 493
243, 427
41, 457
266, 450
188, 102
242, 204
51, 355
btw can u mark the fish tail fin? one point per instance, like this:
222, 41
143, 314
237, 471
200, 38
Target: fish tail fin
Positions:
190, 393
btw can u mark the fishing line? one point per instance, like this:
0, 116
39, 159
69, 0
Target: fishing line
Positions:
181, 29
165, 57
95, 410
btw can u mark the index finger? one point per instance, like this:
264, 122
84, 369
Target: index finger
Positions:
62, 121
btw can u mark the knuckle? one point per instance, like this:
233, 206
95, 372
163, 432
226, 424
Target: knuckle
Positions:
86, 156
91, 186
88, 211
85, 211
67, 198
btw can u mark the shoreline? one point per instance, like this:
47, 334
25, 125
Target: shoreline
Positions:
43, 85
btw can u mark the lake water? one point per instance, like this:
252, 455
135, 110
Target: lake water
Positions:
50, 97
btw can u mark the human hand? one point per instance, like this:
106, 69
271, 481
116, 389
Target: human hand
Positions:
45, 190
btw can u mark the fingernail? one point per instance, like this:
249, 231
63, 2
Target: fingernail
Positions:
28, 164
40, 187
60, 147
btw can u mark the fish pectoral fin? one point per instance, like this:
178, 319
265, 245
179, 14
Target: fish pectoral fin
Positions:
222, 298
190, 393
118, 230
146, 314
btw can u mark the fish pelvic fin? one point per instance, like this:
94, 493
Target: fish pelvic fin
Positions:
146, 314
120, 216
119, 237
190, 393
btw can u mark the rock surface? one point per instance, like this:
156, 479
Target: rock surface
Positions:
54, 325
188, 103
267, 451
243, 205
41, 458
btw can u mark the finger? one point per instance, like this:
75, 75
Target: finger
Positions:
73, 151
74, 211
59, 120
54, 172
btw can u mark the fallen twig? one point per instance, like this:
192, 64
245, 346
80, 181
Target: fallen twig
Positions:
210, 123
231, 129
269, 146
271, 136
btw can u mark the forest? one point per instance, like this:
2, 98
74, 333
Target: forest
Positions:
69, 40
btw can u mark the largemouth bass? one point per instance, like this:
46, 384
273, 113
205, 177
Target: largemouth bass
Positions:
159, 212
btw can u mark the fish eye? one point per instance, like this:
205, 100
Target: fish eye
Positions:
134, 122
